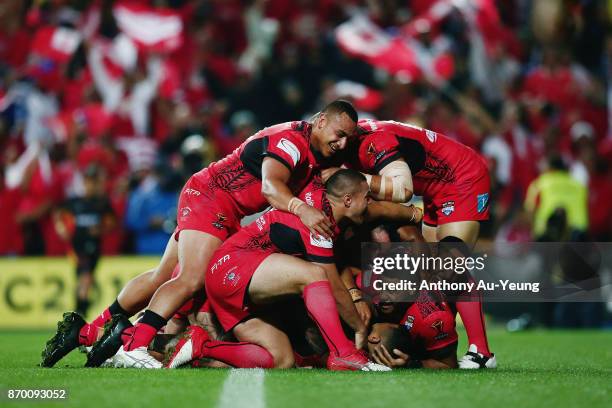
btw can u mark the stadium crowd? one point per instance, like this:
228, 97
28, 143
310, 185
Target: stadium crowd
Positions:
149, 92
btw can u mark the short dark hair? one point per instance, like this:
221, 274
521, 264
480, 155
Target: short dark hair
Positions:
396, 338
340, 106
344, 181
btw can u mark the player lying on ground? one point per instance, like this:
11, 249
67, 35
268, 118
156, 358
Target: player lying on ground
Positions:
402, 160
269, 168
259, 265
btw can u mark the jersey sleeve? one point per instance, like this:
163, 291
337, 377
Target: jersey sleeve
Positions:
378, 150
287, 148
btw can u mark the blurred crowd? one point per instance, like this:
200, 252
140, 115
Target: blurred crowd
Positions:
151, 91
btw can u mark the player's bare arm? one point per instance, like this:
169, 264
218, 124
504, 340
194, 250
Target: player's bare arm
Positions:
274, 178
385, 210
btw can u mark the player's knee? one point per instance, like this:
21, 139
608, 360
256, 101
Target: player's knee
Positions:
317, 273
189, 285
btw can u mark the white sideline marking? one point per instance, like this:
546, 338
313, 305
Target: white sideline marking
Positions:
243, 388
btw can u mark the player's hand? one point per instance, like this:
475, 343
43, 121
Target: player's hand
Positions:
382, 356
364, 311
361, 337
418, 214
327, 173
315, 220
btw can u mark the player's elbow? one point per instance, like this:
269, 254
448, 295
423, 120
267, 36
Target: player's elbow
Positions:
267, 188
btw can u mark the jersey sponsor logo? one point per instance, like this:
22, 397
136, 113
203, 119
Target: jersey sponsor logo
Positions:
448, 208
483, 202
321, 242
261, 223
219, 223
431, 135
191, 191
409, 322
219, 263
380, 155
289, 148
371, 149
231, 277
438, 326
308, 197
185, 211
372, 124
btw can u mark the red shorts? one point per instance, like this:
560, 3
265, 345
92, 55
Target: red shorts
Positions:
203, 207
227, 282
464, 201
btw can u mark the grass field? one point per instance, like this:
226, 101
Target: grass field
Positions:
538, 369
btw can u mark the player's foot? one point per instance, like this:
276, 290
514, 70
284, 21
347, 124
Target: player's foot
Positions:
474, 360
358, 361
188, 348
110, 342
65, 339
137, 358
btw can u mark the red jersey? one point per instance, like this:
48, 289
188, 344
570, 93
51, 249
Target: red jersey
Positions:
435, 160
239, 174
281, 232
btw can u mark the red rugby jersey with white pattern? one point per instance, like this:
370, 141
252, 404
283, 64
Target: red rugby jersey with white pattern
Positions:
239, 174
281, 232
436, 161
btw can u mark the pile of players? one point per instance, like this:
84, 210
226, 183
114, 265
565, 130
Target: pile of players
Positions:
270, 294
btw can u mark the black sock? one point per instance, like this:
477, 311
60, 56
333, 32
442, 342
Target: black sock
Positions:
153, 319
116, 308
81, 306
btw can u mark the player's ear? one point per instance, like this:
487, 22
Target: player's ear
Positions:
348, 199
322, 120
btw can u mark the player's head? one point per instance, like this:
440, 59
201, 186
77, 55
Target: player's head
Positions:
348, 191
390, 335
91, 180
333, 126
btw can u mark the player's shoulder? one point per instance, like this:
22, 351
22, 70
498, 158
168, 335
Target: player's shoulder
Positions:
295, 129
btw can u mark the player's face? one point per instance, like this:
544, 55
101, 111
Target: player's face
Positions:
378, 333
333, 131
359, 204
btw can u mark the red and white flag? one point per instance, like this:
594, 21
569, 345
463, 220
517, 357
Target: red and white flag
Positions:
363, 39
363, 97
55, 43
152, 29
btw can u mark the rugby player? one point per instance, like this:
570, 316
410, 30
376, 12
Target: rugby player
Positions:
401, 160
269, 168
425, 336
275, 257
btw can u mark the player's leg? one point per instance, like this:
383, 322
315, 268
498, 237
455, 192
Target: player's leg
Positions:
195, 250
466, 232
135, 295
73, 331
84, 283
280, 275
269, 337
430, 232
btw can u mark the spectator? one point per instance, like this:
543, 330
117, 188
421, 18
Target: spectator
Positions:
555, 190
151, 210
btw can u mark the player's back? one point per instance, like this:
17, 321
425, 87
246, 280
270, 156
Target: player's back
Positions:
434, 159
281, 232
239, 173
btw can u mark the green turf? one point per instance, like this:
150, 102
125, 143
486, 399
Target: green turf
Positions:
538, 369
